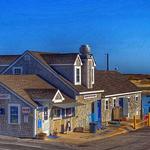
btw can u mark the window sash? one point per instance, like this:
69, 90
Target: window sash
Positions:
14, 117
77, 75
106, 104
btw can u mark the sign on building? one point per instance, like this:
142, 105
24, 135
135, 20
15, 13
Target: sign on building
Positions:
90, 96
25, 110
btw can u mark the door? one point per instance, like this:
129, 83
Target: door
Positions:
99, 113
46, 124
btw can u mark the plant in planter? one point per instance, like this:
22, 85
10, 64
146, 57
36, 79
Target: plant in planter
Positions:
42, 136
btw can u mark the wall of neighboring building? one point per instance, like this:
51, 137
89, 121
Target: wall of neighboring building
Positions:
19, 130
33, 67
146, 104
66, 71
84, 111
131, 105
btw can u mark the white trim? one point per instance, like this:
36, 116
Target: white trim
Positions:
93, 61
90, 92
114, 101
78, 56
56, 118
56, 100
16, 95
13, 70
106, 100
90, 96
93, 75
34, 124
123, 94
4, 65
19, 113
75, 75
61, 64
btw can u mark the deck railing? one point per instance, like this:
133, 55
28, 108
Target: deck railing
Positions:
145, 122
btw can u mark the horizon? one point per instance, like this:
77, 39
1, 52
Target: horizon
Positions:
119, 28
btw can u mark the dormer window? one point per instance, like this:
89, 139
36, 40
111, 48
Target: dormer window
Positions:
77, 75
17, 70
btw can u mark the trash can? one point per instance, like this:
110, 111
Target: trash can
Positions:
93, 127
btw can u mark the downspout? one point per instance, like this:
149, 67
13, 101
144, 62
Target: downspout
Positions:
34, 124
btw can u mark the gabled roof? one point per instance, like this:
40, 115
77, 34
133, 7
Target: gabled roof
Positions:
56, 58
20, 83
30, 88
7, 59
78, 88
114, 83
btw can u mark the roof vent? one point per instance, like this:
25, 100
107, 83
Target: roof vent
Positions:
85, 50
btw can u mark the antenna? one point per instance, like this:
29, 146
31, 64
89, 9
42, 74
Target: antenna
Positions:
107, 61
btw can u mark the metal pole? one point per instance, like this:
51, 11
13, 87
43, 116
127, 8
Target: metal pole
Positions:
107, 57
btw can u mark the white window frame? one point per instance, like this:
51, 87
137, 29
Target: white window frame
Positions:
106, 100
75, 75
93, 75
114, 102
19, 113
17, 68
60, 117
136, 98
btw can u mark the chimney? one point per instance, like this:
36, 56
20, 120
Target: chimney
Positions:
87, 67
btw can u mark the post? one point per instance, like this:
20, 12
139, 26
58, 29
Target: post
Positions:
148, 119
134, 122
107, 61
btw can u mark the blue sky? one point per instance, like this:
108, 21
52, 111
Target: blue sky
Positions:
119, 27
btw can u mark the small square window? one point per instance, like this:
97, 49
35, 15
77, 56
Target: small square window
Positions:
17, 70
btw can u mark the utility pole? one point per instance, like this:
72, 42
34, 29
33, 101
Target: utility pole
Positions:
107, 61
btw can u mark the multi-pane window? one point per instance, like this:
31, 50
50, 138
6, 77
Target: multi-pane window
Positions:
77, 75
17, 70
57, 113
13, 114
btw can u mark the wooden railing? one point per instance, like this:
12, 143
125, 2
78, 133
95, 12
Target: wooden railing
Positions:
142, 123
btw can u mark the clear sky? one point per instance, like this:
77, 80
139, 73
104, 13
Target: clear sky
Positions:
119, 27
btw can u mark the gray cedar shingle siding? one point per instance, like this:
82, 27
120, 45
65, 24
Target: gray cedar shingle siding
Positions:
22, 130
66, 71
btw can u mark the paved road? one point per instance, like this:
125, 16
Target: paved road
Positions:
138, 140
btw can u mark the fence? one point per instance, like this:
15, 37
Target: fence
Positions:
145, 122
